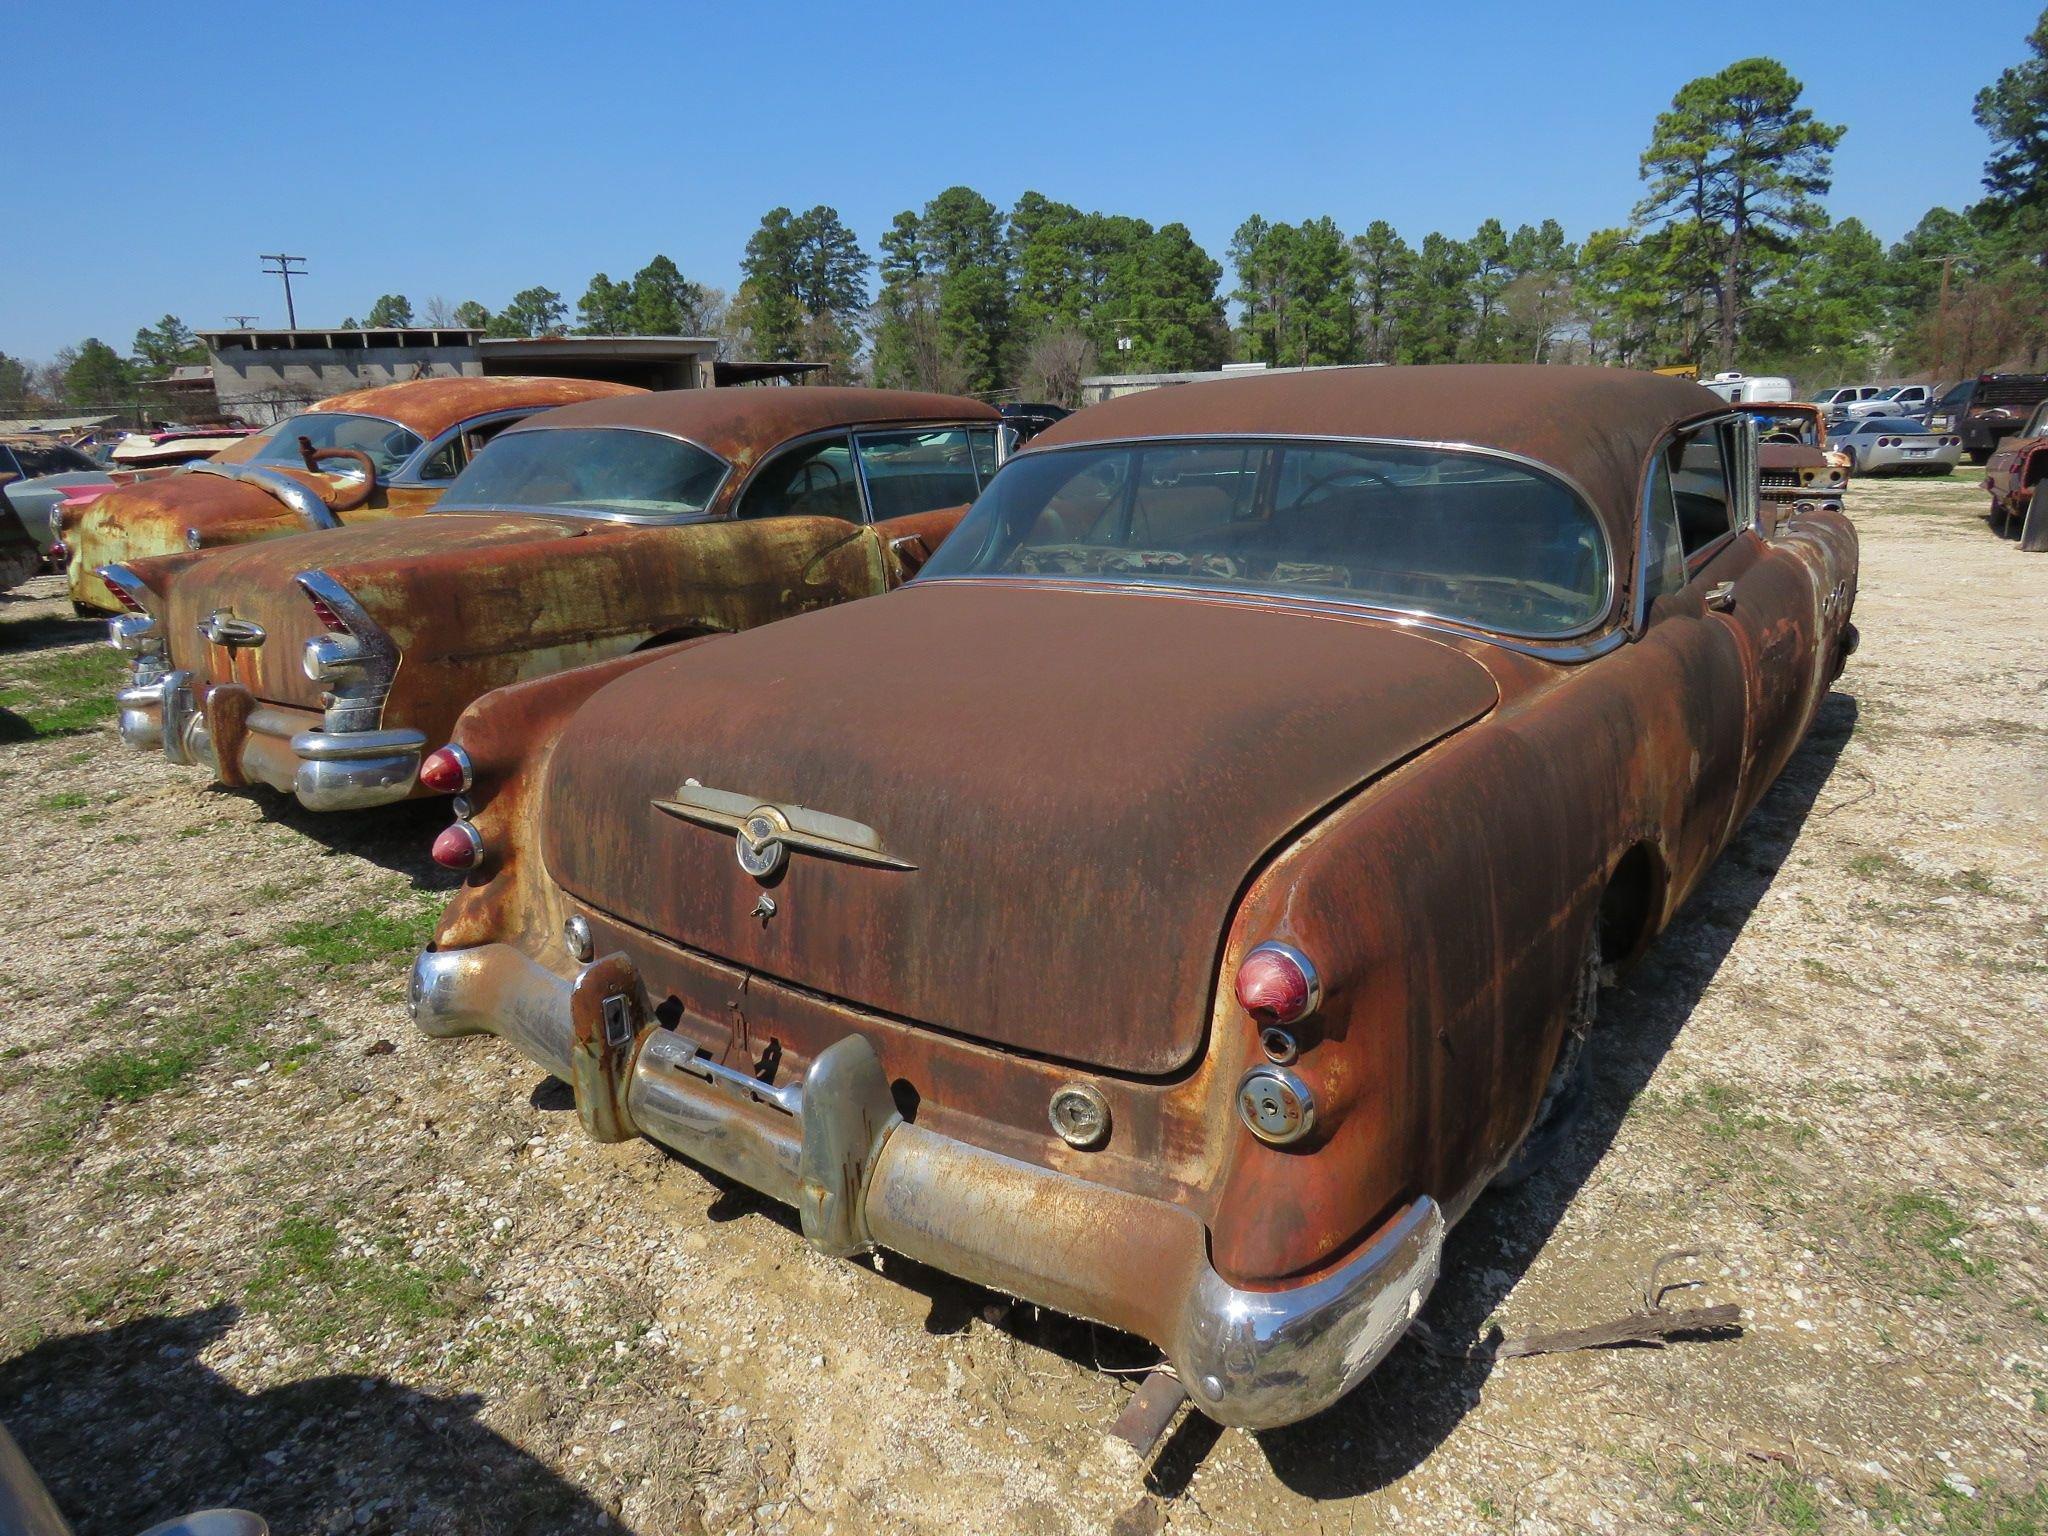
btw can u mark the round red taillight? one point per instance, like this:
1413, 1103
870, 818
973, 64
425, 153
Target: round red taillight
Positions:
458, 847
445, 772
1277, 984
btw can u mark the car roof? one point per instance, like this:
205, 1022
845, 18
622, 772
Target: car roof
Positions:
1595, 426
739, 425
431, 406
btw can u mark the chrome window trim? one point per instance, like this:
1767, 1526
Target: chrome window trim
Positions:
1605, 620
633, 519
408, 473
1403, 618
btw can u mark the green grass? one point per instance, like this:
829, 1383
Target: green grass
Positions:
1710, 1497
363, 936
66, 800
64, 692
316, 1287
1932, 1225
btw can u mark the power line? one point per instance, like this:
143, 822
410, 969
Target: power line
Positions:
241, 321
284, 270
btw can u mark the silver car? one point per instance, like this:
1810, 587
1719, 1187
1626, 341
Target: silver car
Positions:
36, 476
1895, 445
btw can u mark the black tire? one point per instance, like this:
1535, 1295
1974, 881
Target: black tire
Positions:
2034, 531
1977, 455
1564, 1095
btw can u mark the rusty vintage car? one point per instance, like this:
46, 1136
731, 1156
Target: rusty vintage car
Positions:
1796, 467
324, 665
357, 458
2017, 478
1177, 904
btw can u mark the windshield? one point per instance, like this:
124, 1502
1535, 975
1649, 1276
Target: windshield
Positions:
386, 442
602, 471
1892, 425
1784, 427
1450, 533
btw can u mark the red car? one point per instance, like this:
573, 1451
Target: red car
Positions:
2017, 483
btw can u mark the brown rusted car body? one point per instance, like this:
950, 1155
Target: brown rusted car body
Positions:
1795, 467
2017, 478
324, 665
262, 486
982, 1007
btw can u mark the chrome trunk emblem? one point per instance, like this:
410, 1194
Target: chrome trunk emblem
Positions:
766, 832
223, 628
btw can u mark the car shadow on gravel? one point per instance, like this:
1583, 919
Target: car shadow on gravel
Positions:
128, 1427
26, 624
393, 837
1417, 1397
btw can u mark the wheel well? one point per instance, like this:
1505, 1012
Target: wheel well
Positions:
1628, 907
671, 636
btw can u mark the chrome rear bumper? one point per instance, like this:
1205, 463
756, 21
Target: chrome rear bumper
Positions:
833, 1145
324, 770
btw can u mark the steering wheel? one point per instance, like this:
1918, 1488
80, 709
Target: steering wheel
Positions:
805, 482
1339, 479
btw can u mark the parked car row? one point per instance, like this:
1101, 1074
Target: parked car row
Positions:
1166, 877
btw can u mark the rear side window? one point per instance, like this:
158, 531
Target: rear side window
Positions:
1698, 465
1663, 551
919, 470
814, 479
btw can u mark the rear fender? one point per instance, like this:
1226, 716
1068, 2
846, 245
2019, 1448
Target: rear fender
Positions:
509, 735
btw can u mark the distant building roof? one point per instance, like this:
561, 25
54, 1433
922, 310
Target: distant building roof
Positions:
335, 339
55, 423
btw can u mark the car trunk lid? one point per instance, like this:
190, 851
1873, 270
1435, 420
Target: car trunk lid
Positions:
1081, 781
254, 584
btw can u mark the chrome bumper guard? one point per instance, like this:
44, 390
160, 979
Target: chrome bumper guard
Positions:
834, 1146
348, 770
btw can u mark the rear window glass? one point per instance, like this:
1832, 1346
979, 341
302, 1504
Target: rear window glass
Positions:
1448, 533
598, 471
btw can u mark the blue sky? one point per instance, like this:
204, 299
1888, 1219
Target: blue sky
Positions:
471, 150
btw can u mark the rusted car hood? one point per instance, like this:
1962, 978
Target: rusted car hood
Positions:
1789, 456
255, 582
1083, 780
153, 514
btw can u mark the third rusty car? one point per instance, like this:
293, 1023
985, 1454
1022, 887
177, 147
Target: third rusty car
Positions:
1180, 901
2017, 478
361, 457
324, 665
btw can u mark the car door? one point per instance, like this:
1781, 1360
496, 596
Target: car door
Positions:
813, 526
918, 482
1760, 593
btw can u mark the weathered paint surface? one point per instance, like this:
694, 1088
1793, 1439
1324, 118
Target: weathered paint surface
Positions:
159, 516
1793, 456
476, 600
1440, 822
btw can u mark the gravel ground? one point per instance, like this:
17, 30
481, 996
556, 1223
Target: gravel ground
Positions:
260, 1245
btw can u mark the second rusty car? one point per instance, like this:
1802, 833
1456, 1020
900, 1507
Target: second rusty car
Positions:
324, 665
1179, 902
358, 457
